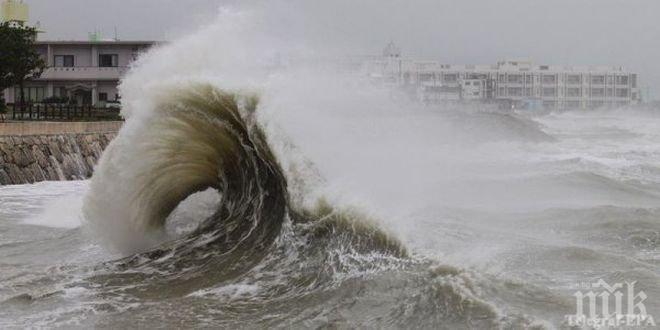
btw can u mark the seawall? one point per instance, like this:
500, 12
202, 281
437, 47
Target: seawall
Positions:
58, 128
35, 152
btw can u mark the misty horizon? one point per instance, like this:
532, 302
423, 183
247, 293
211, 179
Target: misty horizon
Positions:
610, 32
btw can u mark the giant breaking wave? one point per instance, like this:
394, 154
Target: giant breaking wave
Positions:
200, 137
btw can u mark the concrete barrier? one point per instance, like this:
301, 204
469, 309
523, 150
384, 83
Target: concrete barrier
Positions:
57, 128
61, 157
52, 151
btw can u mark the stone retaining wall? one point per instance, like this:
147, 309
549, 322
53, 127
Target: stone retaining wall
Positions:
35, 158
54, 128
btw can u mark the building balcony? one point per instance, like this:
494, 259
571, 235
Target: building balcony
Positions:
83, 73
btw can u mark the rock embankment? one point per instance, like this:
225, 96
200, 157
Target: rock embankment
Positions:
36, 158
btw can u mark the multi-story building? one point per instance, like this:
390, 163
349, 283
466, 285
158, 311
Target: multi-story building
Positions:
512, 83
86, 72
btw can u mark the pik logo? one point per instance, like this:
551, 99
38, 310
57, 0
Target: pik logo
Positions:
607, 305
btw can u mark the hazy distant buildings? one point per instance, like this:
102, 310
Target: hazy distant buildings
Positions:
511, 83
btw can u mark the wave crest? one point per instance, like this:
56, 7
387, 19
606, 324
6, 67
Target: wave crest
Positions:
199, 137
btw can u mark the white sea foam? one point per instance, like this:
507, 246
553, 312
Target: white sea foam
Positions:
49, 204
61, 212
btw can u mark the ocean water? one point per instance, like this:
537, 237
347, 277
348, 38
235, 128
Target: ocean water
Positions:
503, 239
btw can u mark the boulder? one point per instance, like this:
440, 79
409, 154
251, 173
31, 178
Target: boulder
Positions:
59, 174
20, 157
15, 174
4, 178
38, 173
55, 151
28, 175
39, 156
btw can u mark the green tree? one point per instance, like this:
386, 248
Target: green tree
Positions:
19, 59
5, 77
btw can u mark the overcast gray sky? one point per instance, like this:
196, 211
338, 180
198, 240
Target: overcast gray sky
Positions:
616, 32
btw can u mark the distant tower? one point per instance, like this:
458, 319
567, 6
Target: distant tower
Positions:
391, 50
15, 11
394, 66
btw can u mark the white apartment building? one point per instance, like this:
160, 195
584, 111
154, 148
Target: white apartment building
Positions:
511, 83
87, 72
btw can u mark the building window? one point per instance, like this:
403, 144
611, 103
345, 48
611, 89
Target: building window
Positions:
597, 80
450, 77
529, 79
103, 97
426, 77
622, 80
573, 92
597, 92
549, 78
108, 60
32, 94
574, 79
515, 79
549, 92
622, 92
64, 61
59, 92
515, 91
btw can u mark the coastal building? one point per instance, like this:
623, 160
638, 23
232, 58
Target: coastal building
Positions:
85, 72
82, 72
509, 83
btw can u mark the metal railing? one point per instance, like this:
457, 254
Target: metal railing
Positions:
60, 112
82, 72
